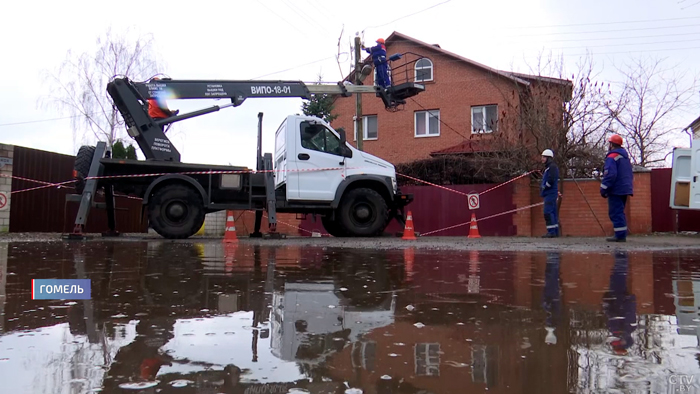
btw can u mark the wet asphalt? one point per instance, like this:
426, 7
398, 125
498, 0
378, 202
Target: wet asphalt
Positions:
202, 316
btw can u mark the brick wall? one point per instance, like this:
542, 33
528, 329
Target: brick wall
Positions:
576, 217
522, 219
6, 151
456, 87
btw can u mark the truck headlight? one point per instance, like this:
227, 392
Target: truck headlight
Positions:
394, 185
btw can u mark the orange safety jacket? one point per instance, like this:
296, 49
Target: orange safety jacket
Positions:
155, 111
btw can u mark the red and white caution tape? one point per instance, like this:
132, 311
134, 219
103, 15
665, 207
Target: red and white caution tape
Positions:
507, 182
59, 185
466, 194
222, 172
484, 218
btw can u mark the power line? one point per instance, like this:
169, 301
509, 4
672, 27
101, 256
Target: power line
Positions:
637, 51
38, 121
600, 31
295, 67
629, 44
601, 23
615, 38
406, 16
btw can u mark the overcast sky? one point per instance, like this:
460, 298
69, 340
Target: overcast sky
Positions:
244, 40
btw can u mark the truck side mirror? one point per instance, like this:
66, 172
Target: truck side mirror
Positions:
345, 151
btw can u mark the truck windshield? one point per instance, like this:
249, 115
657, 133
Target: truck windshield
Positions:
319, 138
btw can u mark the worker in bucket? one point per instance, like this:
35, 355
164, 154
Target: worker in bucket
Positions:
378, 53
158, 108
549, 190
617, 185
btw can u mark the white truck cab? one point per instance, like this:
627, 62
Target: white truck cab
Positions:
312, 161
685, 177
314, 164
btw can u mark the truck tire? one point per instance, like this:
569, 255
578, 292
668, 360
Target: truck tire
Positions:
83, 161
363, 212
333, 227
176, 211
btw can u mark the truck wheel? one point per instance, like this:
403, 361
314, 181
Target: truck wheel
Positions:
83, 161
363, 213
176, 211
333, 227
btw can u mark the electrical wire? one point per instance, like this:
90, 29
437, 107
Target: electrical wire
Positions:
599, 31
295, 67
406, 16
600, 23
39, 121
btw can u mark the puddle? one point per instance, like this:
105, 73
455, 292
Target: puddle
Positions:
171, 317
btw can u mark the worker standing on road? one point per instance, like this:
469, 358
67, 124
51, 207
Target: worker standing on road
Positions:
549, 190
378, 53
617, 184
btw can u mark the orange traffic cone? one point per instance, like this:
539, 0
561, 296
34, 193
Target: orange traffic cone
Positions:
230, 234
473, 228
229, 255
408, 232
408, 258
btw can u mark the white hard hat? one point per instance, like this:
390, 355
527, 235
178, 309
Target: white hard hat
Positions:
548, 153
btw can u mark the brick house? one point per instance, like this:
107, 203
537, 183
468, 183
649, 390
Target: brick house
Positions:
465, 104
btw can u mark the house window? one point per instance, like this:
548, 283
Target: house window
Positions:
369, 127
427, 359
364, 355
424, 70
319, 138
427, 123
484, 119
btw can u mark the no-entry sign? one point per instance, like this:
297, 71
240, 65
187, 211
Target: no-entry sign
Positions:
3, 201
473, 201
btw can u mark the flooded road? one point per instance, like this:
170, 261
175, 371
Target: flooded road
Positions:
191, 317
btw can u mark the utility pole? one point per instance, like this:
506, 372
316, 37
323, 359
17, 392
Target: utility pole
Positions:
358, 97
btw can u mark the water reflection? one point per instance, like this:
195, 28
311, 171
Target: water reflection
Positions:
208, 317
551, 298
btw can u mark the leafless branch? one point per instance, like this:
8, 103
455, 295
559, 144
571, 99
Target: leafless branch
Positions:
648, 97
78, 86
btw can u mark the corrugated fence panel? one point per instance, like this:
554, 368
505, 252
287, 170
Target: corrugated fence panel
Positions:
45, 210
663, 218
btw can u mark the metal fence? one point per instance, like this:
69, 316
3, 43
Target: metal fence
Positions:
46, 210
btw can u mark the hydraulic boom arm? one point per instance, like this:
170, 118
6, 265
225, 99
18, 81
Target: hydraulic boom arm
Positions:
131, 98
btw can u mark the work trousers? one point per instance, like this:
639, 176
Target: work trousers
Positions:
382, 68
551, 218
616, 211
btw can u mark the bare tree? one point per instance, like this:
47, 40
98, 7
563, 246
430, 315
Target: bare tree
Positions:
648, 98
568, 113
79, 85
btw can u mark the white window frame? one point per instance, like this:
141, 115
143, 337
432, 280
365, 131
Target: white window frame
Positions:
431, 365
364, 128
482, 108
427, 116
416, 68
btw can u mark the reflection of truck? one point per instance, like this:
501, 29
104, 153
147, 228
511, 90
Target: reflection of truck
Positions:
315, 170
310, 321
685, 177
